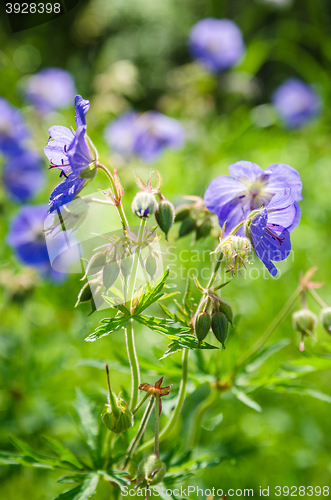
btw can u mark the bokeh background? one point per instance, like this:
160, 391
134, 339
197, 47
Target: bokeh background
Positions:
134, 55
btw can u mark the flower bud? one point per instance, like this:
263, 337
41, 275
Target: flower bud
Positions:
304, 321
224, 308
151, 265
182, 213
204, 228
187, 226
236, 251
84, 295
144, 204
202, 325
116, 416
152, 469
326, 318
220, 327
165, 216
110, 274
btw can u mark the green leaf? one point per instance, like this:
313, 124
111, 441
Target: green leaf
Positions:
304, 391
63, 453
255, 363
120, 477
108, 325
245, 399
162, 325
187, 300
151, 295
38, 459
83, 491
72, 478
89, 419
184, 341
168, 312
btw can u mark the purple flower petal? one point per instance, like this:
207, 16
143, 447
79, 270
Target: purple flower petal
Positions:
81, 108
283, 176
246, 170
50, 89
58, 143
79, 153
65, 191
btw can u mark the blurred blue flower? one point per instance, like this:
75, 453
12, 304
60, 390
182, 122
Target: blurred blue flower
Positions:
270, 230
13, 130
50, 89
23, 175
144, 135
216, 43
296, 103
249, 188
70, 152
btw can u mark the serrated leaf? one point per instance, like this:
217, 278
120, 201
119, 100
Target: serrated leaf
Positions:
265, 354
184, 341
108, 325
120, 477
72, 478
151, 295
162, 325
63, 453
83, 491
246, 399
38, 459
187, 300
89, 420
167, 312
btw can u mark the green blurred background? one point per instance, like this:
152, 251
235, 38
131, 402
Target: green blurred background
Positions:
134, 55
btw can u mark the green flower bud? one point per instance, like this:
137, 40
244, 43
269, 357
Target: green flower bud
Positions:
220, 327
326, 318
224, 308
204, 228
304, 321
182, 213
202, 325
165, 216
110, 274
187, 226
116, 416
89, 172
152, 469
151, 265
144, 204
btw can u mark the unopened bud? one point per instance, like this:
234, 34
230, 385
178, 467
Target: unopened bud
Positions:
326, 318
152, 469
187, 226
110, 274
144, 204
182, 213
204, 228
224, 308
202, 325
220, 327
151, 265
116, 415
304, 321
165, 216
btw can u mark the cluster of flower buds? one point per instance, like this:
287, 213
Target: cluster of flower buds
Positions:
116, 415
305, 322
151, 201
194, 218
216, 315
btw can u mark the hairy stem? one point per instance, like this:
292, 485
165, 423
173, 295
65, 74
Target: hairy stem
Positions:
181, 397
140, 431
119, 206
157, 424
318, 299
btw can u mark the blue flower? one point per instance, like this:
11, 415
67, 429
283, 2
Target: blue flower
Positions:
269, 230
50, 89
145, 135
23, 175
216, 43
13, 130
296, 103
71, 153
249, 188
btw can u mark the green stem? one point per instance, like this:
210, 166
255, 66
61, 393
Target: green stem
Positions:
197, 419
157, 424
318, 299
141, 402
181, 397
140, 432
273, 326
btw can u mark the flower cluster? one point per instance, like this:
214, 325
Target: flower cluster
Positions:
266, 199
144, 135
73, 154
22, 173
